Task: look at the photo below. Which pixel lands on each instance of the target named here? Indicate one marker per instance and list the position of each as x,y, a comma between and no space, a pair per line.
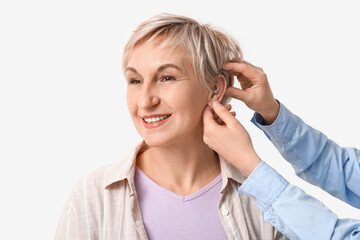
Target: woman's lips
155,120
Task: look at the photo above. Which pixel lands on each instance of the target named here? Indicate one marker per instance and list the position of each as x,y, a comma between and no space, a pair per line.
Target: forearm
312,155
293,212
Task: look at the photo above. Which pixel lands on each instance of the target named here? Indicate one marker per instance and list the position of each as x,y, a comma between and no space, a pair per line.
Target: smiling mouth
156,119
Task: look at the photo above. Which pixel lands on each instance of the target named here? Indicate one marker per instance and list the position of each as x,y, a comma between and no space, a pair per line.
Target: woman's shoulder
95,182
90,183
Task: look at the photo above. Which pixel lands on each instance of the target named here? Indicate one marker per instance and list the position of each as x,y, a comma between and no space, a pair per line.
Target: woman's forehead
157,52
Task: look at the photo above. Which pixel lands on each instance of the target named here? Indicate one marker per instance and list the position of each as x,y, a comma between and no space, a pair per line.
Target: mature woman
172,185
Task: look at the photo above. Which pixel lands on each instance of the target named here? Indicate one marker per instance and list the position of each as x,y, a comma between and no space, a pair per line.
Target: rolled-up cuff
264,185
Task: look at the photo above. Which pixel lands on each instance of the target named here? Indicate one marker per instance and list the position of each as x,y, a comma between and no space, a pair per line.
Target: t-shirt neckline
184,198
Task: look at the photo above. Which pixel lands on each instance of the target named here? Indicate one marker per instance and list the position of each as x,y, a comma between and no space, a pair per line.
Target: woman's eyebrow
161,68
131,69
169,65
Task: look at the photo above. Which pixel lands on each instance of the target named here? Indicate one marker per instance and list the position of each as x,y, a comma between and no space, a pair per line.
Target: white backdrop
62,94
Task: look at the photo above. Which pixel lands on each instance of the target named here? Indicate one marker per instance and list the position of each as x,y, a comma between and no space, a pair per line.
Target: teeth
155,119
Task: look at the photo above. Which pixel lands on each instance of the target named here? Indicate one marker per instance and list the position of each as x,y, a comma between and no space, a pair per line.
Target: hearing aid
228,80
226,75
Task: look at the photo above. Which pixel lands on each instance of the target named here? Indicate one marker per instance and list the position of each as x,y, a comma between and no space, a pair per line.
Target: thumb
223,113
235,93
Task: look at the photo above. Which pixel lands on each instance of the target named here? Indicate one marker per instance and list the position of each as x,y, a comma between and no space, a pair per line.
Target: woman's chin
159,141
156,143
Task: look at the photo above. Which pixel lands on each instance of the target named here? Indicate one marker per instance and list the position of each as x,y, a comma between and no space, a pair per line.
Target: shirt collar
125,169
228,171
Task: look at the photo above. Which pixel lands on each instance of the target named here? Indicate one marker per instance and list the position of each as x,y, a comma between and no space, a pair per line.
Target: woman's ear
218,89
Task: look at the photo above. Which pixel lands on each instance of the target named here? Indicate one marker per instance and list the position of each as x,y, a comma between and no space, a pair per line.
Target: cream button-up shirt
104,205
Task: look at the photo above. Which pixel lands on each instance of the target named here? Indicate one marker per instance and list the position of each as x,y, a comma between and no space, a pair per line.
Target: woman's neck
181,168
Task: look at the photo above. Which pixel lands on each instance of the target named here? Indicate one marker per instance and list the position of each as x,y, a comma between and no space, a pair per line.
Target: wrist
270,113
248,165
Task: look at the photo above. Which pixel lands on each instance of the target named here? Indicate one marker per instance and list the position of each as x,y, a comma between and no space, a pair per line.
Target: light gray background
62,93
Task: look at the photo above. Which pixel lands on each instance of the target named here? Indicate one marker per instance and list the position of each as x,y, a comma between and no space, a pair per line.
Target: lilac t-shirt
168,215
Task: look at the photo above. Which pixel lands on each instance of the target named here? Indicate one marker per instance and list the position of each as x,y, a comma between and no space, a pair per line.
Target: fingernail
215,103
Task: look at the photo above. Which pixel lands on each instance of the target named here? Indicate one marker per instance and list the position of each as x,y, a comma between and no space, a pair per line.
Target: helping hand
256,92
224,134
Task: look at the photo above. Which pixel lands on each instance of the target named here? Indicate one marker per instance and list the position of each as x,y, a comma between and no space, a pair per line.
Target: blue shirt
311,153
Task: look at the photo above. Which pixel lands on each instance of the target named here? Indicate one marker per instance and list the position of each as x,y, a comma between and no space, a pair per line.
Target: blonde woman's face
164,98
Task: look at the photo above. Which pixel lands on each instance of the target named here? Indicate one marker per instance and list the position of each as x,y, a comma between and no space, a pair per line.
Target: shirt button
225,212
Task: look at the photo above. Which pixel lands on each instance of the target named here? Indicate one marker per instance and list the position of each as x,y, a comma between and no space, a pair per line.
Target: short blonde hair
207,48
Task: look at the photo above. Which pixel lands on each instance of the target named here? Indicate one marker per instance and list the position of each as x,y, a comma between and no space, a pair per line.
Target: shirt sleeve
67,227
292,212
315,158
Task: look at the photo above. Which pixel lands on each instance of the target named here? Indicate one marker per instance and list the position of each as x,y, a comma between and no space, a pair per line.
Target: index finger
241,68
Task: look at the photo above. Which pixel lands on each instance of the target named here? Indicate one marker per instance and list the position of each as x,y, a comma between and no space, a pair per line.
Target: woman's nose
148,98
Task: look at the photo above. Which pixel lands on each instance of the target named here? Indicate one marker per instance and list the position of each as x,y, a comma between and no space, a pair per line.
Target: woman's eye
134,81
167,78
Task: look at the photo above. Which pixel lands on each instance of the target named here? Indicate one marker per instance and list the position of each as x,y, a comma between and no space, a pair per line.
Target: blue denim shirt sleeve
315,158
293,212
